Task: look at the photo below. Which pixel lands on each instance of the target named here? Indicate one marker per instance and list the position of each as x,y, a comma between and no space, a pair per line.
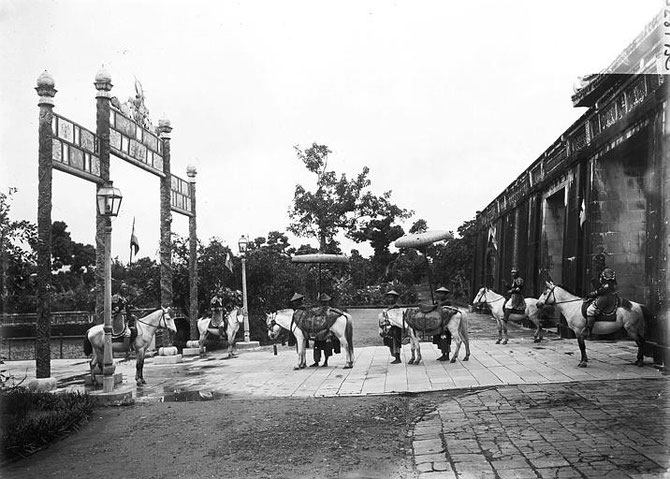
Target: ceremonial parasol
320,258
421,241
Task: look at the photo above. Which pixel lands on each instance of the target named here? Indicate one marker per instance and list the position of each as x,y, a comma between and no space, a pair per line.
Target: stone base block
120,396
167,359
190,352
118,379
247,345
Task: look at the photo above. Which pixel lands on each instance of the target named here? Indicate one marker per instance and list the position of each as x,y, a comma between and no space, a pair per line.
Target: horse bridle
484,300
556,301
159,321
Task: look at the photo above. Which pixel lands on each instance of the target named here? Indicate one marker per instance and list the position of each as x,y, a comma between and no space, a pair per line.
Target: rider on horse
515,302
443,340
393,338
604,300
121,305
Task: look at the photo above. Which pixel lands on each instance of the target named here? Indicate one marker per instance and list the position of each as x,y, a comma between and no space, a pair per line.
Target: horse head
548,296
480,297
167,319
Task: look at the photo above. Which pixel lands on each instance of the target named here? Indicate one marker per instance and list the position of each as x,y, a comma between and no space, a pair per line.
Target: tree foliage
332,206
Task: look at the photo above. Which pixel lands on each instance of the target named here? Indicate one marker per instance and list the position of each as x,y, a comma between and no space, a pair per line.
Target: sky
445,102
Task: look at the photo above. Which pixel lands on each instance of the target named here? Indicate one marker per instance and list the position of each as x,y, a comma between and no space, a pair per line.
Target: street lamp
108,202
242,244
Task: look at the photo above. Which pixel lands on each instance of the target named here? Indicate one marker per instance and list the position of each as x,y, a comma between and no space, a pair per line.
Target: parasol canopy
418,240
320,258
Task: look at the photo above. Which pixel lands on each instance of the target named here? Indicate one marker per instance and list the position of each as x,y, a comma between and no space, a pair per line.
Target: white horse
94,341
395,317
495,303
631,316
342,328
216,326
457,325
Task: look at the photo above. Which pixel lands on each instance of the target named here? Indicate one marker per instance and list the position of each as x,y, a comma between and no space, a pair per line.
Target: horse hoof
411,361
504,342
466,358
297,368
536,340
498,342
581,365
639,363
453,360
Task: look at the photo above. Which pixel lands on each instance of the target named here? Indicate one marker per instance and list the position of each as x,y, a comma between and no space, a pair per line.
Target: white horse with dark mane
631,316
222,324
495,303
341,327
94,341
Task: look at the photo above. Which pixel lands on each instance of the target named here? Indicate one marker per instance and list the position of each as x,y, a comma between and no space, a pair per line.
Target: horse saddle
118,326
606,307
517,304
216,323
431,320
315,320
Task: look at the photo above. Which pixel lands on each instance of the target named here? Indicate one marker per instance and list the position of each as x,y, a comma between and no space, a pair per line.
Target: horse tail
648,318
88,347
349,335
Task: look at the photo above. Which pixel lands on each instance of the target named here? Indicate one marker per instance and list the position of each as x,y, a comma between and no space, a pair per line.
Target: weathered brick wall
619,202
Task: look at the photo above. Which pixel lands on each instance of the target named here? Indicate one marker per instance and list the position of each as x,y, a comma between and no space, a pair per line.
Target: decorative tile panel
74,149
135,144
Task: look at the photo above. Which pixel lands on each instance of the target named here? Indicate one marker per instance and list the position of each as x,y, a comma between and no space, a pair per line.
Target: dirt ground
353,437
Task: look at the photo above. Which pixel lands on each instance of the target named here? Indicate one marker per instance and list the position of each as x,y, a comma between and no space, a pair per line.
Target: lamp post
109,202
242,243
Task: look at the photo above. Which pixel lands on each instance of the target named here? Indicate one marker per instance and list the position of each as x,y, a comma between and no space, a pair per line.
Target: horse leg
300,348
139,365
582,350
505,332
457,339
639,341
499,321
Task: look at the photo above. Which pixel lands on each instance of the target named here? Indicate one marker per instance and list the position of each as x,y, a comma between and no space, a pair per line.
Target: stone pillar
193,258
46,90
103,84
515,239
164,130
664,270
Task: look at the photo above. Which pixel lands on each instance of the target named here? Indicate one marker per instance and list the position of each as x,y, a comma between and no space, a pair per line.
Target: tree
332,206
17,260
376,224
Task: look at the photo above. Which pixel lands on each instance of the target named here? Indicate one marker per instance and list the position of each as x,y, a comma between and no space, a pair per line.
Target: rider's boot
397,359
590,321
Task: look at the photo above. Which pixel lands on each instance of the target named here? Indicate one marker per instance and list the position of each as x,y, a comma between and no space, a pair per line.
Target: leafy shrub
32,420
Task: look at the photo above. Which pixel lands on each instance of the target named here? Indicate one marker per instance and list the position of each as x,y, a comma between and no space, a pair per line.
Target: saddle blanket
606,307
315,320
429,320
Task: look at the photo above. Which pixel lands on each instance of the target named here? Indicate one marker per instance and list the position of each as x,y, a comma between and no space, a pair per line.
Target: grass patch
32,420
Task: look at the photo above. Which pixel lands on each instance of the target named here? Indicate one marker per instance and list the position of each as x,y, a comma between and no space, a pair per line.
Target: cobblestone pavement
612,429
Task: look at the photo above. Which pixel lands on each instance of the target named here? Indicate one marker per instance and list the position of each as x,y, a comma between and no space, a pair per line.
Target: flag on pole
134,244
229,262
582,214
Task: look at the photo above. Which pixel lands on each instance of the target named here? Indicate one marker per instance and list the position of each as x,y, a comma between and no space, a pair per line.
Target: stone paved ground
607,429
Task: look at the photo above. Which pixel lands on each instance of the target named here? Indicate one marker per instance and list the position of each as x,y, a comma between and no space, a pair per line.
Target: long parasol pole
430,276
